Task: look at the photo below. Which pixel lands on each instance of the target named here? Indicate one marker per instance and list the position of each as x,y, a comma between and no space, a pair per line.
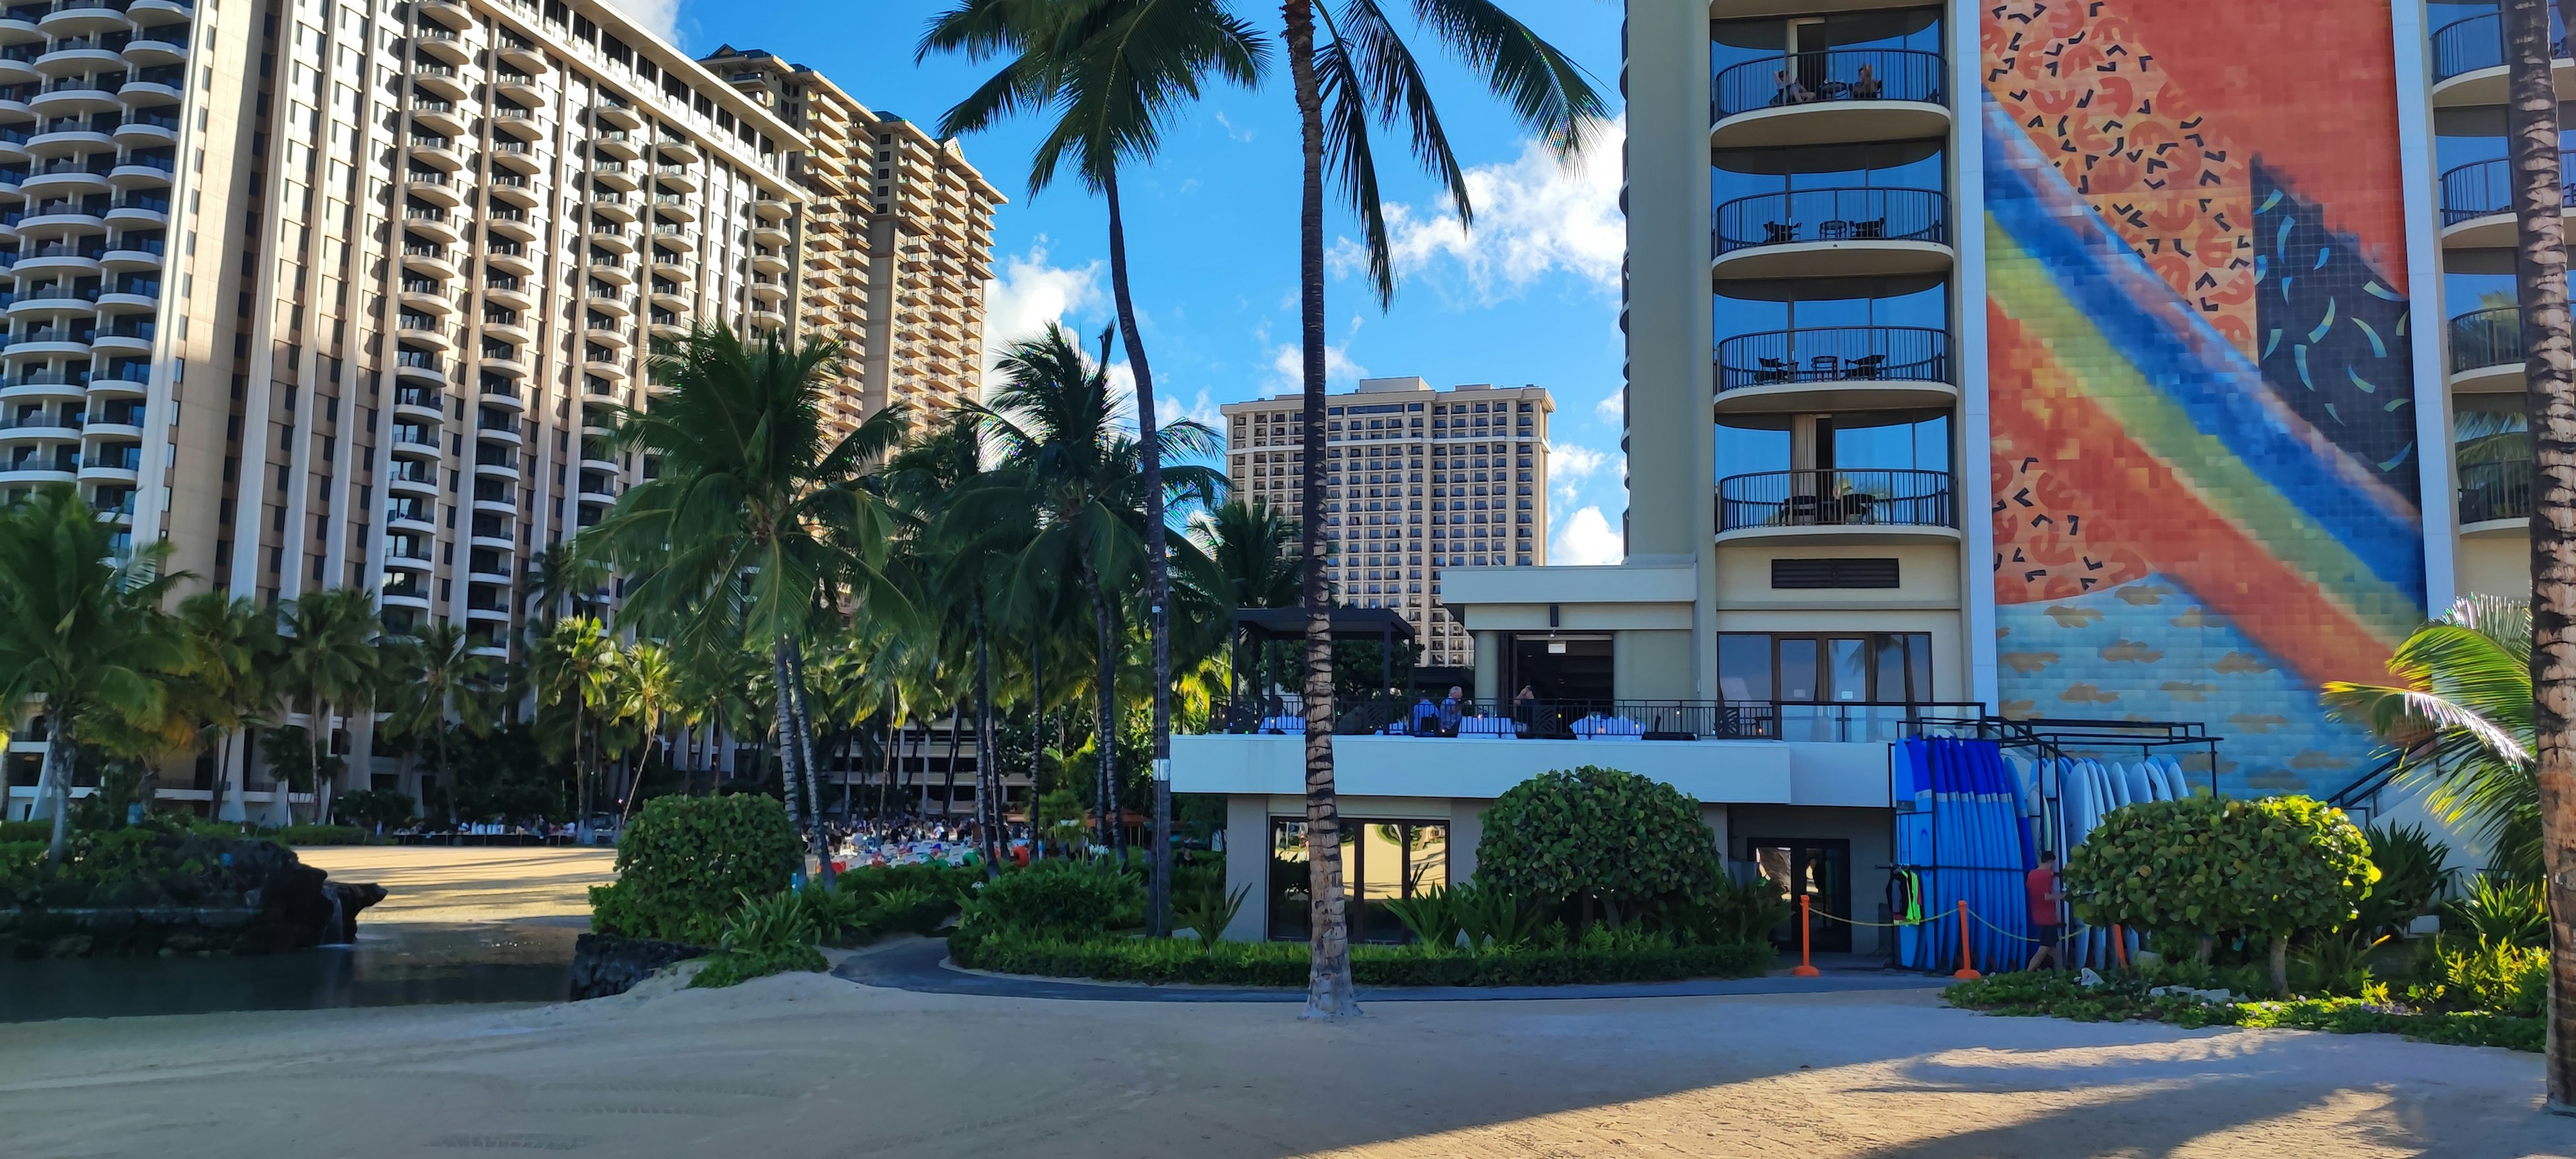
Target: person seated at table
1791,91
1864,85
1451,709
1426,717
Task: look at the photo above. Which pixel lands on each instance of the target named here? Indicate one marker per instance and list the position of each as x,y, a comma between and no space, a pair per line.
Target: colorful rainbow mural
2200,370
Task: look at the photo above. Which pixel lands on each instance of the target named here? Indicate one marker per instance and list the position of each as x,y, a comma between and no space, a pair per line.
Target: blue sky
1529,296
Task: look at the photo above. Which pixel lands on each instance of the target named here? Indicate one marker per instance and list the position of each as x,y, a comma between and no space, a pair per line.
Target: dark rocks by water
606,964
141,892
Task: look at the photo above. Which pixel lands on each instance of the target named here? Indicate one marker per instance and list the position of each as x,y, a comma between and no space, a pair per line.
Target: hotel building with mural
2026,361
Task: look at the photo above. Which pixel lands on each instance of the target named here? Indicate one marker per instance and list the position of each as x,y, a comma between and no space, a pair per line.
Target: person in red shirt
2041,885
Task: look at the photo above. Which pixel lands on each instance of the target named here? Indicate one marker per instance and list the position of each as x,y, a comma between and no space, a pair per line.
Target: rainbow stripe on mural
2201,386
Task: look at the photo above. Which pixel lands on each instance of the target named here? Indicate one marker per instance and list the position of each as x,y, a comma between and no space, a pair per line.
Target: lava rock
606,964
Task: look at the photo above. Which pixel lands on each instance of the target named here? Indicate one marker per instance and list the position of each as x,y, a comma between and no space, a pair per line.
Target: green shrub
1285,964
1060,897
372,808
2414,870
2493,978
946,881
12,832
769,935
1731,911
2499,911
1207,913
686,861
1618,838
2125,997
2278,866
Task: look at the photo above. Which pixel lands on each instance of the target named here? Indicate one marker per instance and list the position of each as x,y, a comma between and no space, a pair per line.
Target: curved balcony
768,234
434,42
1833,233
80,17
2477,201
150,49
407,557
2468,60
1839,506
44,424
773,209
1835,368
2486,351
674,208
70,58
419,403
1833,97
66,138
513,298
2495,498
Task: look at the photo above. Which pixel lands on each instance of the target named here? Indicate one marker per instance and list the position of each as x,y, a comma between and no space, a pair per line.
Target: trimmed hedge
686,863
1285,963
2050,994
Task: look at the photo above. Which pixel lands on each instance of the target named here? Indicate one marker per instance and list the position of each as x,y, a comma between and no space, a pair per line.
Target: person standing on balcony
1451,710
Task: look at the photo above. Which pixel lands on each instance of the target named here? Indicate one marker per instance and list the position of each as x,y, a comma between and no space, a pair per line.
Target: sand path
815,1066
433,883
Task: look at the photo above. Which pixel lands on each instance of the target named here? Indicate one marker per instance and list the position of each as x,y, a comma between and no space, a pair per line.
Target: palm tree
329,662
755,529
80,631
2459,717
642,689
2549,370
1114,72
568,668
230,642
443,683
1057,424
1364,72
557,578
1251,559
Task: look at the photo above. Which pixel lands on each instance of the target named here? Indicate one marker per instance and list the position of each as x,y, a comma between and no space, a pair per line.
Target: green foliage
685,860
1060,897
1058,815
2126,997
321,835
1207,912
372,808
2414,870
2494,977
1619,838
1471,917
767,935
2499,911
11,831
1730,911
1625,956
2275,866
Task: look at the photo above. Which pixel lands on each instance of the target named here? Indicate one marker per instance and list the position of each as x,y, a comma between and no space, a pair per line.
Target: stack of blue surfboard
1968,838
2089,790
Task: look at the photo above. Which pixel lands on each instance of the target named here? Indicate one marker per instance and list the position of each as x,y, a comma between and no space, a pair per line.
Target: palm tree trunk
2549,369
1328,984
786,713
805,758
948,791
1157,566
223,769
988,779
54,787
1105,677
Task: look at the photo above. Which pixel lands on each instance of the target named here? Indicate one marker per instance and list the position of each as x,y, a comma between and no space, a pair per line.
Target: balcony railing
1834,354
1835,498
1610,720
2489,337
2466,46
1832,215
2490,491
2485,188
1835,74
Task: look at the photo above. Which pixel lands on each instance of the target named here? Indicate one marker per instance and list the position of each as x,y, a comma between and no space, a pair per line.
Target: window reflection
1382,861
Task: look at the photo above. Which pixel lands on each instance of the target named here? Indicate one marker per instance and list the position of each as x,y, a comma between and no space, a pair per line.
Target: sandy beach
817,1065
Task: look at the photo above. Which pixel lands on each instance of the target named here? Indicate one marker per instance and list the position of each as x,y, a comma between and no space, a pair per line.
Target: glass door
1820,870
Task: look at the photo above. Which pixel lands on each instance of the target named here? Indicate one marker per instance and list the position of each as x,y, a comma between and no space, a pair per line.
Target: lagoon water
392,964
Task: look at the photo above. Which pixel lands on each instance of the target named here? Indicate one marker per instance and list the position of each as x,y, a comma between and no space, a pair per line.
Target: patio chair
1779,232
1825,367
1871,230
1774,370
1859,507
1868,366
1835,229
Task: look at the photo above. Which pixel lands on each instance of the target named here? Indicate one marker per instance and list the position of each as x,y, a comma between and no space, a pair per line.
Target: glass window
1744,667
1888,441
1873,668
1382,861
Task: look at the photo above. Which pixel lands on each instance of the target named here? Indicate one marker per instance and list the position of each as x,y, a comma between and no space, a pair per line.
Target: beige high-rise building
1419,480
898,240
329,293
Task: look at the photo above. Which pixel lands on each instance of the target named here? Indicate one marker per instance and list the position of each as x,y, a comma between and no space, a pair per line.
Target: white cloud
1169,410
1570,461
1586,538
1288,367
1612,409
1231,129
1533,217
1031,293
661,16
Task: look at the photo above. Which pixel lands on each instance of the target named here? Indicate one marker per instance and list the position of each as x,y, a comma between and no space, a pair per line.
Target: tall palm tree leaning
81,631
2549,368
1363,71
756,528
1114,72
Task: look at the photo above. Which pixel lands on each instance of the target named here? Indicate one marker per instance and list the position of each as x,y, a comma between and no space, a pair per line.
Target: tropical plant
230,644
2460,719
1062,898
443,688
755,530
642,690
1114,72
1621,840
771,934
683,862
376,808
81,631
569,671
2414,873
1207,913
329,665
2491,910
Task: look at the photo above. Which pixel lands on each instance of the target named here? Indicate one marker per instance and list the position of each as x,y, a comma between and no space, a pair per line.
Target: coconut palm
80,632
1058,426
230,643
1114,73
568,671
328,664
559,579
642,690
755,528
442,685
2549,369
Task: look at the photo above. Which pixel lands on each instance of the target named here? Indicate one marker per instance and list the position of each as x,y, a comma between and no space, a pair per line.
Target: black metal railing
2489,337
1834,354
1833,74
2485,188
2499,490
1611,720
1809,215
2466,46
1831,498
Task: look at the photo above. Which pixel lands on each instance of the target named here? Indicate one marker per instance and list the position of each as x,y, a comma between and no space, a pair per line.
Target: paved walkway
919,965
